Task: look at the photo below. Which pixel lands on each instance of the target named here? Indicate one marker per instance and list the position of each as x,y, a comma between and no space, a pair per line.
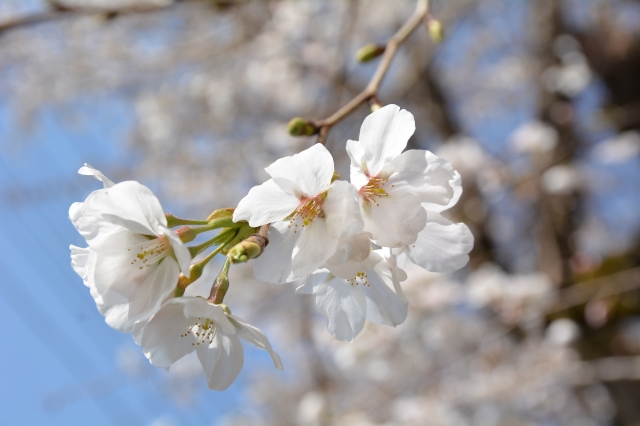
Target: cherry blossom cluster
343,242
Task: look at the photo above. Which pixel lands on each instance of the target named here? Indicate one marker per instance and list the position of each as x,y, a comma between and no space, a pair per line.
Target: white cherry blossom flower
311,213
187,324
349,293
397,188
133,260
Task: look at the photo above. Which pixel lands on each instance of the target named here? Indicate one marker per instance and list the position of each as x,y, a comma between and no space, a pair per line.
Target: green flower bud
369,52
224,212
301,127
244,251
436,32
186,234
335,176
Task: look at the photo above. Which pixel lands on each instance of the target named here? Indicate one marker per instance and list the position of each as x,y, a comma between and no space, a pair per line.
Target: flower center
374,189
308,210
150,252
203,330
361,277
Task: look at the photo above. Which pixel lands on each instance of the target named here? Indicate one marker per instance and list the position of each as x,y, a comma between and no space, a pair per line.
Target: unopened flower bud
335,176
301,127
220,286
186,234
250,248
436,32
374,103
224,212
369,52
195,272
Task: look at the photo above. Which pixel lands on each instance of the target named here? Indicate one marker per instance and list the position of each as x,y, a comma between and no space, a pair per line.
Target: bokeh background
535,102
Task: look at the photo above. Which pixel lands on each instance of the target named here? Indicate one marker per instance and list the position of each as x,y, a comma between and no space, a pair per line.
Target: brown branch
422,9
60,11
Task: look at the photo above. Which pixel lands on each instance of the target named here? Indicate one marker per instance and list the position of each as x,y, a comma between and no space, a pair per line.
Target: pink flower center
308,210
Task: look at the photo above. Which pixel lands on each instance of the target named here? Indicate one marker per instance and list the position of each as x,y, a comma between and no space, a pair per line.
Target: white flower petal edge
442,246
350,293
393,184
185,324
129,274
310,212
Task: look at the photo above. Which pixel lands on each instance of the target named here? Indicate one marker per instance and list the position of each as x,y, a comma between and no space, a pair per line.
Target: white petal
163,338
385,218
87,170
131,205
389,268
117,317
442,246
341,210
344,306
313,281
313,248
456,184
265,203
145,298
383,135
350,268
181,252
79,258
358,176
414,225
311,170
254,336
89,222
117,266
383,305
274,265
355,248
221,360
431,178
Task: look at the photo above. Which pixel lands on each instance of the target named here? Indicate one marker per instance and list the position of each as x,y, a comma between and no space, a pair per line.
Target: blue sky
59,359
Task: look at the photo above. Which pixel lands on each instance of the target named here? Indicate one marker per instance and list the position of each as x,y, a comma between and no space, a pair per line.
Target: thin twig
60,11
422,9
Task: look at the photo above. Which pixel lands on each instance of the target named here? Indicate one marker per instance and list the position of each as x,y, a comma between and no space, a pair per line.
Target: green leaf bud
301,127
369,52
436,32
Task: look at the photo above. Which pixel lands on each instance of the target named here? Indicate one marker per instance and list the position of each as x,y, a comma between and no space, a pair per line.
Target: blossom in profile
133,259
396,188
311,214
349,293
187,324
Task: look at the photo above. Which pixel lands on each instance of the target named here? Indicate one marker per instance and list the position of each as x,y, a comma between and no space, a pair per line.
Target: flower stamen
151,252
308,210
361,277
374,189
202,329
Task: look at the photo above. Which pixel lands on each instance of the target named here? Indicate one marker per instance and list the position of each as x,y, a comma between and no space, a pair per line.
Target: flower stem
197,268
175,221
220,248
213,241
